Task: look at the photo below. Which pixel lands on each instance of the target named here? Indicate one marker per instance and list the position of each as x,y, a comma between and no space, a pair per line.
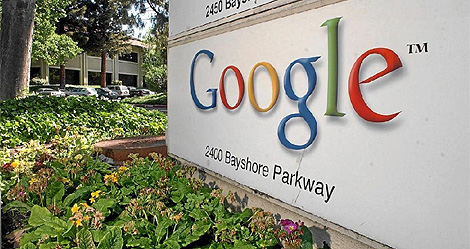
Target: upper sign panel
186,15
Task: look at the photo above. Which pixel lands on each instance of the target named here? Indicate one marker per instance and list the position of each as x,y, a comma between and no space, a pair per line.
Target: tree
100,30
15,46
53,48
160,9
155,59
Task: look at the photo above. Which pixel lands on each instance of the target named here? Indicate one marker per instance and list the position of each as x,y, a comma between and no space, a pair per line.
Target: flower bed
60,195
73,200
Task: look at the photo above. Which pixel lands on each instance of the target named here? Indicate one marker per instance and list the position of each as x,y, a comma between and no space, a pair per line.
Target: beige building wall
85,63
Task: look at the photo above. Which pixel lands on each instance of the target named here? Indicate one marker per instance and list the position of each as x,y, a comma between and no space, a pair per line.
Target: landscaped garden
57,193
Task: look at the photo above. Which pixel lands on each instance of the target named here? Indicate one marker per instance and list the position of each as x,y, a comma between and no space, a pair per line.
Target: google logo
355,95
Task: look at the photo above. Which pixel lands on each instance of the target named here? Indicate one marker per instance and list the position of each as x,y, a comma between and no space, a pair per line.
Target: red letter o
241,87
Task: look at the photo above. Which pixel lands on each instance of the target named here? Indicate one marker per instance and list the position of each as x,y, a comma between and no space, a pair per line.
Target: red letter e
357,101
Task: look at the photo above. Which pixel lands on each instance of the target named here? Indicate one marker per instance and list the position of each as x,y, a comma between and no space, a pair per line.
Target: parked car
51,92
122,91
82,91
140,92
105,93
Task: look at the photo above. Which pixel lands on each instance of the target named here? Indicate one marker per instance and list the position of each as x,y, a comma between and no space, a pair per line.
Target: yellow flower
176,217
86,218
92,200
33,180
74,208
96,194
15,164
78,157
114,177
84,204
123,169
64,180
78,222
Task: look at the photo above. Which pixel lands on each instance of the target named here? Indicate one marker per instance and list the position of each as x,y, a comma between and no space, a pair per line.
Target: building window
128,80
132,57
35,72
94,78
72,77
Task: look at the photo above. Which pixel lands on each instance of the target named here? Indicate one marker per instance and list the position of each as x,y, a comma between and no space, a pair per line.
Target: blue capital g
191,82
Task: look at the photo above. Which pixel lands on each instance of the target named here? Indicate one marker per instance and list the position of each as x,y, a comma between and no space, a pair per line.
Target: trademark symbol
417,48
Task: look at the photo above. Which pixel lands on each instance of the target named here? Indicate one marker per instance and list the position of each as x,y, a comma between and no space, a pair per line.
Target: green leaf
112,239
201,228
177,196
181,190
171,244
162,228
69,231
77,195
243,245
28,245
85,240
307,238
30,237
45,229
16,205
39,216
246,214
190,239
58,224
141,242
50,245
54,193
269,240
198,214
102,205
98,235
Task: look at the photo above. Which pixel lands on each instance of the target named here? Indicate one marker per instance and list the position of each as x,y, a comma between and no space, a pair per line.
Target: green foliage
155,56
155,61
97,25
85,239
148,203
155,99
55,49
38,81
160,10
73,200
45,118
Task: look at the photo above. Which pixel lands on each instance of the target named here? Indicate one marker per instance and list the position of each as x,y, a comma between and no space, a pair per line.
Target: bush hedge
155,99
42,118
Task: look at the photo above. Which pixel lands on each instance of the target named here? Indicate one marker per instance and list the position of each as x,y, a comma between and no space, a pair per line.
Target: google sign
362,109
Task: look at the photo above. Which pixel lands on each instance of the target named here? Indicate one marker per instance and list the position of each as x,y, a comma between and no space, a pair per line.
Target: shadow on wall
321,236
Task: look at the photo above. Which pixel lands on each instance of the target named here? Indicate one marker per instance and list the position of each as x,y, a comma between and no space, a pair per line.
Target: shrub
44,118
38,81
74,200
156,99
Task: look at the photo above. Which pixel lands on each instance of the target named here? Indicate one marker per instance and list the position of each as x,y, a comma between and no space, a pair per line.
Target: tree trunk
62,76
15,47
103,70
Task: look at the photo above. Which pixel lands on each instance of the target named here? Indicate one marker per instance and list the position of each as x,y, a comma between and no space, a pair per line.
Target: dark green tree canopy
97,25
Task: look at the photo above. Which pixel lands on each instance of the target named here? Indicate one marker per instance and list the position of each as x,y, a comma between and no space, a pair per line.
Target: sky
139,33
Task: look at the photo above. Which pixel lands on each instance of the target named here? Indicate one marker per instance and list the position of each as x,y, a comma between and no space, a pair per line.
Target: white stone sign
186,15
394,168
